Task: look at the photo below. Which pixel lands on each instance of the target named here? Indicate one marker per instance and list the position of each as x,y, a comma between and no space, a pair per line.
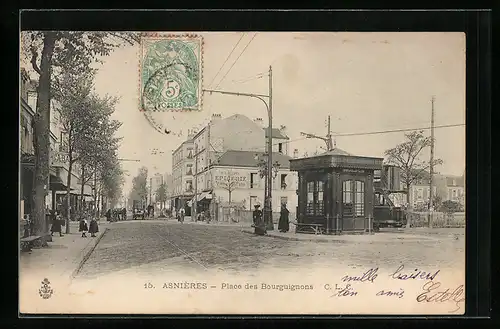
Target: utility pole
269,205
194,203
327,139
268,193
431,164
150,189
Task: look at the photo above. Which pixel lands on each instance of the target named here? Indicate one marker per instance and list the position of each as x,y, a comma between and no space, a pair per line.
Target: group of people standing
116,214
260,225
91,228
84,227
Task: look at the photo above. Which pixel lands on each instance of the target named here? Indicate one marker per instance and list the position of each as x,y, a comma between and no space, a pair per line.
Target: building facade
27,151
182,174
445,187
227,147
235,179
58,157
155,182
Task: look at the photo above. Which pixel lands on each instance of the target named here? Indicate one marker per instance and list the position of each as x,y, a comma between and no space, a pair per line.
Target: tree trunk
82,187
68,194
95,195
230,192
42,136
408,206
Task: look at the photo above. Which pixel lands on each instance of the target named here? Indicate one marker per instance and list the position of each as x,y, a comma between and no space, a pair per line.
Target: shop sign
231,179
59,159
353,170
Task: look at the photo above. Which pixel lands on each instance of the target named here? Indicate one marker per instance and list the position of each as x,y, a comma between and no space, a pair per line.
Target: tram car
388,209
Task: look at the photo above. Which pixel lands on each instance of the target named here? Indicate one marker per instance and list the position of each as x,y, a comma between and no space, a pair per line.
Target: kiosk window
347,191
315,201
359,200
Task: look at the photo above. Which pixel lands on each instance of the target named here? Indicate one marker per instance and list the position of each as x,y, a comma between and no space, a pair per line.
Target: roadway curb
290,238
333,240
87,252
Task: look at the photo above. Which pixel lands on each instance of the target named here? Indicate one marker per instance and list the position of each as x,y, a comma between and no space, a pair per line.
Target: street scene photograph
242,173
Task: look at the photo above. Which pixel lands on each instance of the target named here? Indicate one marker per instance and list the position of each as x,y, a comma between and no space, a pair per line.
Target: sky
366,82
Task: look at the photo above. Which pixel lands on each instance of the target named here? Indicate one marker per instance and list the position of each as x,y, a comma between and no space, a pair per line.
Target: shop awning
200,197
87,190
56,183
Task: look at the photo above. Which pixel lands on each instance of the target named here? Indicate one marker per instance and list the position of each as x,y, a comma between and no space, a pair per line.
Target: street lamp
263,173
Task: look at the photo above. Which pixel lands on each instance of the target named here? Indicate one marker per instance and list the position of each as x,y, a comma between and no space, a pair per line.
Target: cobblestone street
150,245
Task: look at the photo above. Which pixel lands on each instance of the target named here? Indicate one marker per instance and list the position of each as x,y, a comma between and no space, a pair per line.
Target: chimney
259,121
216,116
295,153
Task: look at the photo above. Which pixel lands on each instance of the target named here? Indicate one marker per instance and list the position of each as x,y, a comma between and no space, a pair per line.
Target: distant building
455,188
156,182
445,187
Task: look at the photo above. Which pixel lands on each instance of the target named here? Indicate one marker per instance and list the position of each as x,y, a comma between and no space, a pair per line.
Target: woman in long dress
83,227
284,224
258,223
56,225
93,227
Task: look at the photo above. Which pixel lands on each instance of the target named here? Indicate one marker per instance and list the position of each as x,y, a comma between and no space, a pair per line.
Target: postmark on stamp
171,72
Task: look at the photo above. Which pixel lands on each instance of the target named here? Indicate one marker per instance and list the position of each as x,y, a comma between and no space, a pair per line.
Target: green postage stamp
171,72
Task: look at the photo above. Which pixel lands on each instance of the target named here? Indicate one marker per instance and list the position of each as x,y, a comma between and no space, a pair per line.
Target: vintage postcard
242,173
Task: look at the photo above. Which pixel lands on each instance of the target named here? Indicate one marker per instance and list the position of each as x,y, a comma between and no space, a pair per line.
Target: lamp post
268,211
263,172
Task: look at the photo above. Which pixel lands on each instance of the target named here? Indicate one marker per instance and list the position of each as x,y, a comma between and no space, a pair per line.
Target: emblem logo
45,291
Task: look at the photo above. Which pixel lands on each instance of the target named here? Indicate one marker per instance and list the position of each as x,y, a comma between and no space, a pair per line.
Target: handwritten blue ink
416,274
369,275
390,293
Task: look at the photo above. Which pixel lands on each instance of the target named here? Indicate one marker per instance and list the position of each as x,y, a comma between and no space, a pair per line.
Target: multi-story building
235,179
59,167
27,151
168,179
455,188
182,174
156,182
444,186
230,145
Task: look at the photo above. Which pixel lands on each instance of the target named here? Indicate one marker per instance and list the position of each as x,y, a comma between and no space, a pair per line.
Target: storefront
335,190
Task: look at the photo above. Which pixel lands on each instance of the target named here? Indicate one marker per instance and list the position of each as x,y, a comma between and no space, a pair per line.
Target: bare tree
406,156
228,182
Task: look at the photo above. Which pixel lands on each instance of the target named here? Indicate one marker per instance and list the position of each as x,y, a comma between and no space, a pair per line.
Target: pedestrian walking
108,215
93,227
56,225
258,223
124,214
83,227
284,224
181,215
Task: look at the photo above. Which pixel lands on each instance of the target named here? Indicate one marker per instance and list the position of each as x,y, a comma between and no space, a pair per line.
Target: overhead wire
227,58
369,133
249,42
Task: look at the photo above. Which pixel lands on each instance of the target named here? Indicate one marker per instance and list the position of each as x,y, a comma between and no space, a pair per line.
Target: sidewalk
347,238
63,255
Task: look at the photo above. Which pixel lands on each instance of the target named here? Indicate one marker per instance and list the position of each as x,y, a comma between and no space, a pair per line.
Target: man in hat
258,223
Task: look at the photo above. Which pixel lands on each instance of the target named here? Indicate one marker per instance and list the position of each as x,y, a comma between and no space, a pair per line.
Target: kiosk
335,192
